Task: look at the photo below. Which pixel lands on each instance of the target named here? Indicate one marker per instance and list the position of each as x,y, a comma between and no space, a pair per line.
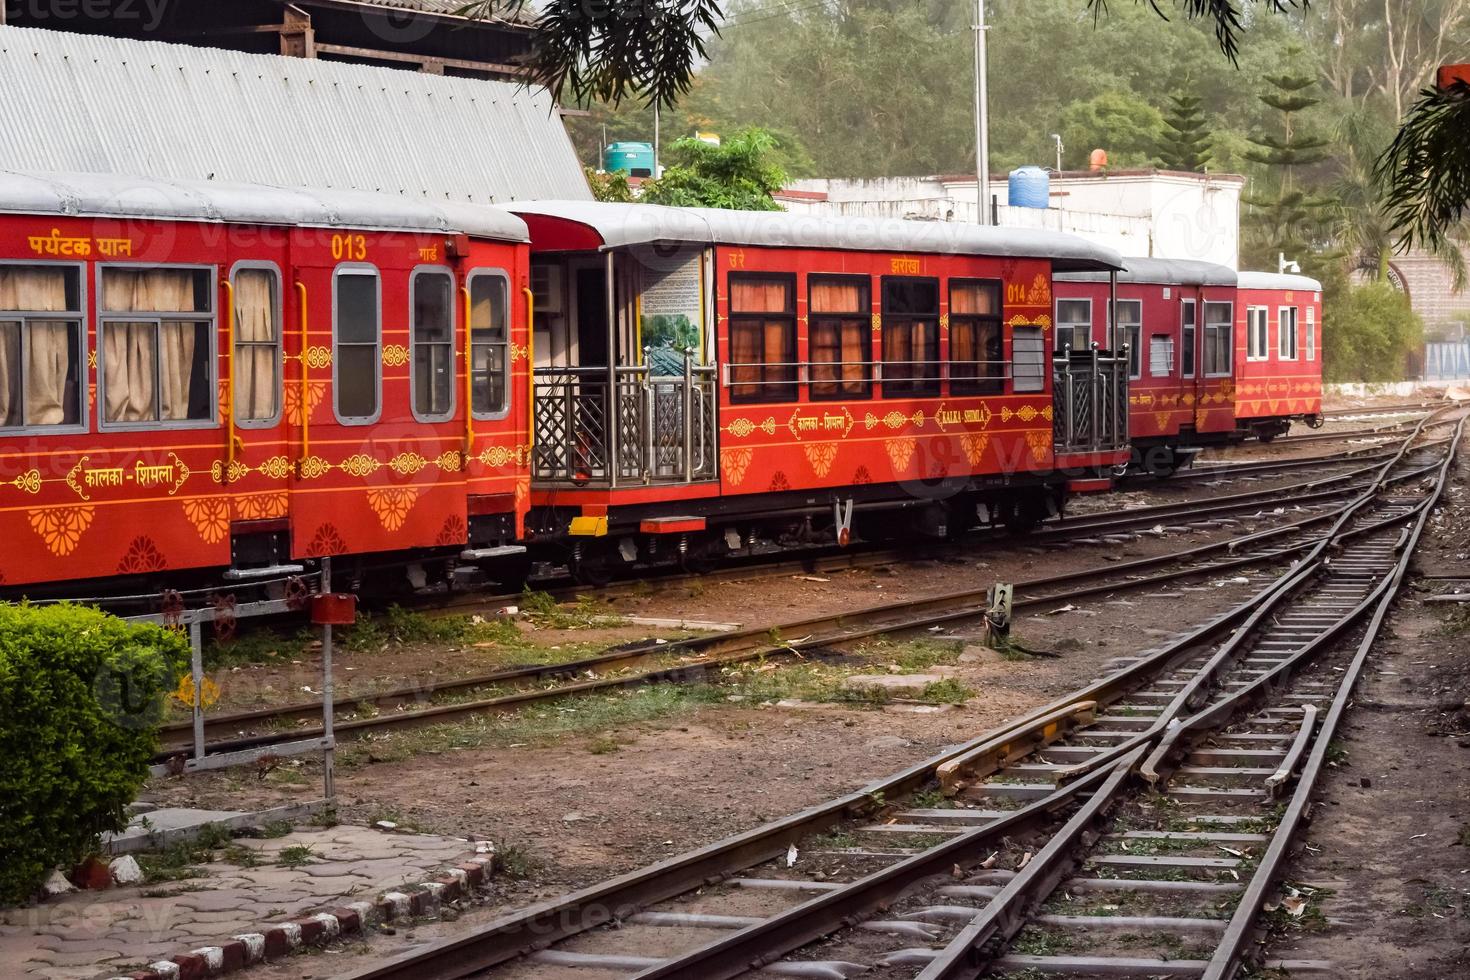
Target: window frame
927,387
214,421
1188,338
1133,331
867,331
1168,340
83,423
492,272
418,271
1311,309
1226,327
977,387
1072,325
1043,377
247,265
1253,351
792,392
338,271
1281,334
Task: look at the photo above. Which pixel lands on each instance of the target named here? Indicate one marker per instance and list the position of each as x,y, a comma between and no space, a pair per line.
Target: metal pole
329,754
655,140
688,413
1112,310
613,404
196,649
982,120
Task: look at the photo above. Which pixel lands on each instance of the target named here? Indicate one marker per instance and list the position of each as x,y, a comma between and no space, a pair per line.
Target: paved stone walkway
99,934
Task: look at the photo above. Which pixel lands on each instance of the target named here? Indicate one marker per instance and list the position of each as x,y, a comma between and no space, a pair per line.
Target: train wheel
594,567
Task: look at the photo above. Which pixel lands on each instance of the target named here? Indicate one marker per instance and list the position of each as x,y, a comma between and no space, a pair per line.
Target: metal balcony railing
1090,392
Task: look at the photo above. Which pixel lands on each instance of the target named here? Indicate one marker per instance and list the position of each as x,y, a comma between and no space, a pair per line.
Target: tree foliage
609,186
736,174
1368,331
1186,142
84,694
1427,169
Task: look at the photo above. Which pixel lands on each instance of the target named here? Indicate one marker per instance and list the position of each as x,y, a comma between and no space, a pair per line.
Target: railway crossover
1135,827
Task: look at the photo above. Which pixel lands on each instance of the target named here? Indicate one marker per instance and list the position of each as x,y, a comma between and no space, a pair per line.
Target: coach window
157,346
1218,330
1311,333
1029,354
840,336
1160,355
1130,328
1074,324
762,338
490,343
976,352
910,336
433,345
357,335
1187,340
1286,333
1255,333
40,346
257,345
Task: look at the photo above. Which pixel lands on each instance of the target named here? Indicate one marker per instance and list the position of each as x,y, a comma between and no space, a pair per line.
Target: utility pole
982,120
655,141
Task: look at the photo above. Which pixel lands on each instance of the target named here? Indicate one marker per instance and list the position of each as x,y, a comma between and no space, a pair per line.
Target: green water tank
634,159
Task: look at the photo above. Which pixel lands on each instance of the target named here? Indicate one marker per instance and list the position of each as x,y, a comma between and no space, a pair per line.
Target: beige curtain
130,350
974,299
256,336
837,297
35,289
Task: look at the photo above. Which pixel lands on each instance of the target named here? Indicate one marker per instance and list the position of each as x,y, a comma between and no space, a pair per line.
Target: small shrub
83,694
295,856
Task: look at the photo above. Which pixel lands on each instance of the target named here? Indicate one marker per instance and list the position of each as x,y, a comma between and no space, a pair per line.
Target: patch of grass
405,626
586,612
932,799
295,856
1464,837
910,656
182,861
833,840
1042,942
516,862
241,856
605,745
275,829
947,691
257,646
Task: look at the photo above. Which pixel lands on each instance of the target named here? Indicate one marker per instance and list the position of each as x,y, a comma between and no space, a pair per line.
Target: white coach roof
148,198
1275,280
621,225
1166,272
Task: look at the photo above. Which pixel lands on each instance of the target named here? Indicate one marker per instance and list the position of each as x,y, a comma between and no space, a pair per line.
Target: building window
490,343
1255,333
1311,333
910,336
433,346
762,338
976,349
357,333
257,346
1028,349
40,346
1218,330
1074,324
1286,336
157,348
840,336
1187,340
1130,328
1160,356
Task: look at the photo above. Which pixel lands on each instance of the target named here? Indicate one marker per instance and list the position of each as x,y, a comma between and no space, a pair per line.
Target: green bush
81,697
1368,331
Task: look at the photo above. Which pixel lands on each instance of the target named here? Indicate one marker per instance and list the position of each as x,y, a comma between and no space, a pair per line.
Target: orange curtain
974,299
760,296
837,297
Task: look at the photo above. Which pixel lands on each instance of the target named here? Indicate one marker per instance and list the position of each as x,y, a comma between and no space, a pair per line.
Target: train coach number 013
351,248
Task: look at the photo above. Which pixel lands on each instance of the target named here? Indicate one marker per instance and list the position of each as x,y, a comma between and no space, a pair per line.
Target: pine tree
1186,145
1289,220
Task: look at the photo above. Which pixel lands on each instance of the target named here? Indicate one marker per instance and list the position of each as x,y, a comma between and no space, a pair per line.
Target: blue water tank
1030,187
634,159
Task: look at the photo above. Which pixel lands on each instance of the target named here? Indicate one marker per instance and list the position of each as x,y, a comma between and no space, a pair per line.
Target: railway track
1134,827
701,658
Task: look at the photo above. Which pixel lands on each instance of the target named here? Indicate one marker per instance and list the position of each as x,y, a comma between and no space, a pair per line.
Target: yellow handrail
530,372
232,442
305,367
469,377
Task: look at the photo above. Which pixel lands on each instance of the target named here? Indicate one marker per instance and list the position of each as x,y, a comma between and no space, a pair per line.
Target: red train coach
1175,316
704,376
199,375
1278,377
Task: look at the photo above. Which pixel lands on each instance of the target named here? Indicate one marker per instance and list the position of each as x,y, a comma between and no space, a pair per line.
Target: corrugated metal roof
89,104
1166,272
1272,280
634,224
106,195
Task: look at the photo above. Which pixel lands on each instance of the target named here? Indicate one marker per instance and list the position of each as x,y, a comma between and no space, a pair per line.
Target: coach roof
1165,272
221,202
1276,280
621,225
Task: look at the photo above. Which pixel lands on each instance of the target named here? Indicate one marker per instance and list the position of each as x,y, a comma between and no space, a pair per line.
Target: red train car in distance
1175,316
242,378
704,376
1278,375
